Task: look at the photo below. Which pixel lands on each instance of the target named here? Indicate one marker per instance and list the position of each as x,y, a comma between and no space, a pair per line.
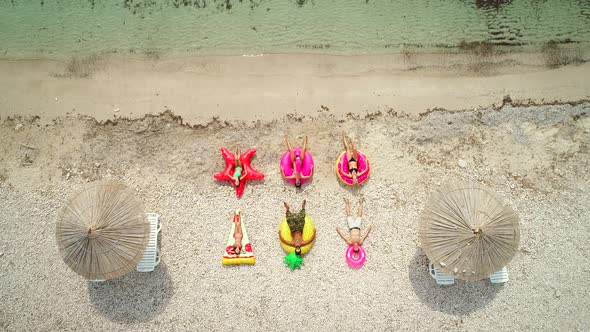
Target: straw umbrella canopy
102,231
468,231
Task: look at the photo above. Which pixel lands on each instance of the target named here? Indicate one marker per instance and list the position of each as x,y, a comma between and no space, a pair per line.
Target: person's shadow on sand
462,298
135,297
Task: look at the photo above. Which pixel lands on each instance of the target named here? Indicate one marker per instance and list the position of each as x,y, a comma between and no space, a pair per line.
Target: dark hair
298,250
298,185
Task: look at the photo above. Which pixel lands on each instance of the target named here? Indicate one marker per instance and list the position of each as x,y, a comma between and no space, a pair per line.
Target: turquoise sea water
57,28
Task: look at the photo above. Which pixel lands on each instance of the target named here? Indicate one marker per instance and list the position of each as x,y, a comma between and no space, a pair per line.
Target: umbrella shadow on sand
462,298
135,297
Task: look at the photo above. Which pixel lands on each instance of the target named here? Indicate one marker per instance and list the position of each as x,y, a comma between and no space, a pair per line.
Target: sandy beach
534,156
268,87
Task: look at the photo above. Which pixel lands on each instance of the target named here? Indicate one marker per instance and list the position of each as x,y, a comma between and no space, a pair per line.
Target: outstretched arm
244,174
363,172
343,236
345,174
366,234
304,243
285,241
290,177
306,177
229,175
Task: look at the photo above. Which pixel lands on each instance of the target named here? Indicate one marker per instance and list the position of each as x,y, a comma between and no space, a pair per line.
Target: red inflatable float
238,170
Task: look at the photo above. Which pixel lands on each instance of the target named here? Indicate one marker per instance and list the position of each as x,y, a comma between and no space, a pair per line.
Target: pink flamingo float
297,164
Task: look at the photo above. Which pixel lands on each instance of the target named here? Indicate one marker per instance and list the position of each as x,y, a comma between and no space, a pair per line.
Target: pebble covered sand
536,157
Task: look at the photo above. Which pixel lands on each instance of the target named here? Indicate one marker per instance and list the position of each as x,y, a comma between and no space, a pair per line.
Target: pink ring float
355,259
342,168
305,168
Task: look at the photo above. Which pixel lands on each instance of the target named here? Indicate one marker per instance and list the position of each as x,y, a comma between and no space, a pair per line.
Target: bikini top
353,168
238,171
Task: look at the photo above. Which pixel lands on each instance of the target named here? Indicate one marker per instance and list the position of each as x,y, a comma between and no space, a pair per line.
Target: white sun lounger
442,278
499,277
151,255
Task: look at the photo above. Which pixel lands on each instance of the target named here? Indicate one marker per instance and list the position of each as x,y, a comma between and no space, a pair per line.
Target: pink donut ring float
304,167
343,172
356,259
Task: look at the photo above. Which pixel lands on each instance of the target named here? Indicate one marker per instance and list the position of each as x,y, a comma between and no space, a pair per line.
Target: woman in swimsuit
352,155
238,175
238,235
355,237
294,159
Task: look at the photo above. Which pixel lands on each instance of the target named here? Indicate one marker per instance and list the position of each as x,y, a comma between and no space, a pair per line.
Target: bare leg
361,200
238,229
354,154
304,148
238,153
237,179
347,207
234,179
346,147
291,153
303,204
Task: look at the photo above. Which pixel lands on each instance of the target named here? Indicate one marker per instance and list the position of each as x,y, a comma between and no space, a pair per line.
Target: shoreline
269,87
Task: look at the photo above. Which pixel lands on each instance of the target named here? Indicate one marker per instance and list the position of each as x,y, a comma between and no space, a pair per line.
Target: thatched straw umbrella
468,231
102,231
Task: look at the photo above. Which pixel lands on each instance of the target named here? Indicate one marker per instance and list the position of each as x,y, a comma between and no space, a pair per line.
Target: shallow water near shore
57,29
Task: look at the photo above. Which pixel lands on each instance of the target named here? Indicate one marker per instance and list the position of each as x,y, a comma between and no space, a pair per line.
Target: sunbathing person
297,159
296,221
355,237
238,235
352,156
238,175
